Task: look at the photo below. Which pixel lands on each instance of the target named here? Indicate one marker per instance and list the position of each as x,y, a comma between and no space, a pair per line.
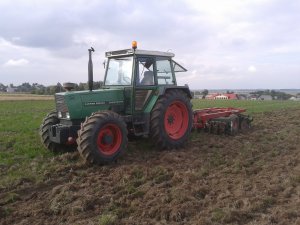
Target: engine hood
81,104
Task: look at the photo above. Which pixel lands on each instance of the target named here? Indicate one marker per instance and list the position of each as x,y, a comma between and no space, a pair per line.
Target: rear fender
161,91
164,89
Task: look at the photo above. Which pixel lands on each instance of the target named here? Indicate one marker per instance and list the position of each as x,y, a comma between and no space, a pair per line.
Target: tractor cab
142,74
141,68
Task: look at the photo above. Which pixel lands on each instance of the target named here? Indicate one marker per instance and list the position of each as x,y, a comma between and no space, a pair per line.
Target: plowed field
251,178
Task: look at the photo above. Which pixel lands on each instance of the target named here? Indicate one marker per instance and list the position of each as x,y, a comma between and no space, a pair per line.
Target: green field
23,157
251,106
21,154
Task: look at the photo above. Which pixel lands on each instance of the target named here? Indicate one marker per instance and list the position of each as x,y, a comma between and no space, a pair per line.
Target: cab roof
137,52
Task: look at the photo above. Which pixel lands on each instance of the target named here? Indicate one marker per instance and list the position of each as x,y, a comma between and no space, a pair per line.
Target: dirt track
252,178
18,97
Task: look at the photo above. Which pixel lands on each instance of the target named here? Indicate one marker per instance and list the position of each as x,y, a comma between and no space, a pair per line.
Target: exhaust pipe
90,70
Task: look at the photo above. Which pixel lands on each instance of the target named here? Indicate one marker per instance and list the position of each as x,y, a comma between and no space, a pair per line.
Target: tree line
276,95
41,89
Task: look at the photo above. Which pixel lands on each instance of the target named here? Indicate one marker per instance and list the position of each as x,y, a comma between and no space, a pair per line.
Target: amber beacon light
134,44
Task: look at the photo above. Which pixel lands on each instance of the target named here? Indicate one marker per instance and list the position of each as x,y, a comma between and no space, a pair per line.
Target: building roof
231,96
211,96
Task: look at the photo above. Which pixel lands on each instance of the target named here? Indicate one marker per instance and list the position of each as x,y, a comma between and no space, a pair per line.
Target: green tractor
140,97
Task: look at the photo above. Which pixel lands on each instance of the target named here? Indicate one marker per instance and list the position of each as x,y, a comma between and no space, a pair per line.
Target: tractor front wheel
171,120
102,137
52,119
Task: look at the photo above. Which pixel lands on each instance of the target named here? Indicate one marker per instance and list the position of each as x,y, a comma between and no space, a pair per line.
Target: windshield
119,71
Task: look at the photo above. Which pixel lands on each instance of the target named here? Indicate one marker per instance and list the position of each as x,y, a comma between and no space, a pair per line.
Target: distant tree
273,94
204,92
2,87
40,89
25,87
97,84
59,88
52,89
82,86
257,93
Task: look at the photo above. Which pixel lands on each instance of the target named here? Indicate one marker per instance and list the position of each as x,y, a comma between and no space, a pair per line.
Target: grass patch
218,215
107,219
11,197
5,211
264,204
20,142
161,174
251,106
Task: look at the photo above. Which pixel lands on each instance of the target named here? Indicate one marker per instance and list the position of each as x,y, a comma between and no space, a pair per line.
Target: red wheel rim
176,120
109,139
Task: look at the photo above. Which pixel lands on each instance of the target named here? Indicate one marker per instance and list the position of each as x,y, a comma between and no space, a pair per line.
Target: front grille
60,104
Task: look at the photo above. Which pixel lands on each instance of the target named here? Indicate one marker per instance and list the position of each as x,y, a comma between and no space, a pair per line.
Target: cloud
219,42
252,69
16,63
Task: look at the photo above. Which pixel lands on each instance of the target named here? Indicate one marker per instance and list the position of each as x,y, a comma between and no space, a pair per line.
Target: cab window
145,71
119,71
164,71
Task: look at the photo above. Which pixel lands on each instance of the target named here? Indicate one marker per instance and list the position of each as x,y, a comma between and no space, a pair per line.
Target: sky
224,44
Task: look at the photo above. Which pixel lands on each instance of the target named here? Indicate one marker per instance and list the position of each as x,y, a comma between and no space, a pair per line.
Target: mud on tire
171,120
102,137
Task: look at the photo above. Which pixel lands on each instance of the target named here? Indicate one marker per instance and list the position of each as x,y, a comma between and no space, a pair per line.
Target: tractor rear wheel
102,137
171,120
52,119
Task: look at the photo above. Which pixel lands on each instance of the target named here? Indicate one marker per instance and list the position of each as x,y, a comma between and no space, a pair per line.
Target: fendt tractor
139,97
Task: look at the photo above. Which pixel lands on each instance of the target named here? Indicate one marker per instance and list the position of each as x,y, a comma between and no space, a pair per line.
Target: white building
10,89
221,97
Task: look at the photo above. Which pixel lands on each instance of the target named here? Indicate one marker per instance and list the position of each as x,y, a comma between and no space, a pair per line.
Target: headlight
59,115
67,115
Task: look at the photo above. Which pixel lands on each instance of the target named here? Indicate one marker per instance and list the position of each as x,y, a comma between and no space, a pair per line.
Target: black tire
233,125
102,137
52,119
174,106
245,124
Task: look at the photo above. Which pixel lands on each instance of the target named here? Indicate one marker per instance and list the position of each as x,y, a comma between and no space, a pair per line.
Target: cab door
145,82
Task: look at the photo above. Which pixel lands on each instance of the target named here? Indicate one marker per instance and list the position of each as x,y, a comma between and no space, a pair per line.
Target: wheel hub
176,120
107,139
171,119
